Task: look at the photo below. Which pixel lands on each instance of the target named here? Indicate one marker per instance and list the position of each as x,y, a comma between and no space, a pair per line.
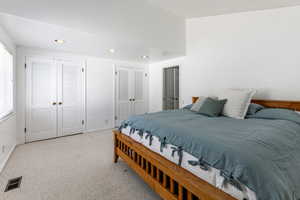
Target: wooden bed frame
293,105
167,179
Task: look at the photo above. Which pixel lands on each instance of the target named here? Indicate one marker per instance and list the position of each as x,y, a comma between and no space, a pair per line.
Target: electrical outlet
106,121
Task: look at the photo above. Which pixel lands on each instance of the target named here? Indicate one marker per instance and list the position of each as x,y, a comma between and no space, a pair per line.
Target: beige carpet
72,168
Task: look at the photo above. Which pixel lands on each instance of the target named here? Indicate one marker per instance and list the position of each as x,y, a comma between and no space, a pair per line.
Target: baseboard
95,130
6,158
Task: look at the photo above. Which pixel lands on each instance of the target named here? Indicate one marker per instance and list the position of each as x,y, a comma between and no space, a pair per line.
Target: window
6,83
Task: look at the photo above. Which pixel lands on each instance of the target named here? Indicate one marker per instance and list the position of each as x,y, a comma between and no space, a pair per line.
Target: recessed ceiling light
59,41
145,57
112,51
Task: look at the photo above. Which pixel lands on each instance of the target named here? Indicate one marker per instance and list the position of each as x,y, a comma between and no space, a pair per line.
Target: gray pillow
254,108
197,105
212,107
277,113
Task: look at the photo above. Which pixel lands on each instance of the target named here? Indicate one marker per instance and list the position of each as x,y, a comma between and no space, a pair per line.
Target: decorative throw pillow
254,108
237,103
211,107
196,106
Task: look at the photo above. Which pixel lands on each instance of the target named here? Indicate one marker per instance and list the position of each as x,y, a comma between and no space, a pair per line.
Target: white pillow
238,101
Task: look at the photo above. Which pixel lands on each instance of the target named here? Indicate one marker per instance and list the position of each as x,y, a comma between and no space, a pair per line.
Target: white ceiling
201,8
132,27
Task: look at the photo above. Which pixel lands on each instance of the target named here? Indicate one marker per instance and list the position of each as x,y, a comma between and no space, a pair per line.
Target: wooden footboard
167,179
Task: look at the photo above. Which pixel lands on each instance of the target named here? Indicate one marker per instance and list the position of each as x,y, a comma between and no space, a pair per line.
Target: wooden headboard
293,105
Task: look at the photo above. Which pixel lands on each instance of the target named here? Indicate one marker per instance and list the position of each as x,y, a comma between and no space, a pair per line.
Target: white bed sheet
212,175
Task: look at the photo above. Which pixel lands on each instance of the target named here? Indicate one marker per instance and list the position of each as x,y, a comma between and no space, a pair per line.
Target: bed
182,177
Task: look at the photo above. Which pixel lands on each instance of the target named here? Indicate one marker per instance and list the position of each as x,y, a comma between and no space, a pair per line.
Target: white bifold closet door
41,109
139,103
130,93
55,98
123,94
71,112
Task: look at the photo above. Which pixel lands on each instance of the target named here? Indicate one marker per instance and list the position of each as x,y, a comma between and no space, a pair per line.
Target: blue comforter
262,154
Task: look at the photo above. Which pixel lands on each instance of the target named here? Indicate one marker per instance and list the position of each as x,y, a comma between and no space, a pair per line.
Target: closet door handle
54,103
60,103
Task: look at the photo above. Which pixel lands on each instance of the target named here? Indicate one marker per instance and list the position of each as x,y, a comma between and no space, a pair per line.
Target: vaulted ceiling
201,8
134,28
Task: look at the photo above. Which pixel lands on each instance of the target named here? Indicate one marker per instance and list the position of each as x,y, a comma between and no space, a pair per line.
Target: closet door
41,108
138,103
123,94
71,112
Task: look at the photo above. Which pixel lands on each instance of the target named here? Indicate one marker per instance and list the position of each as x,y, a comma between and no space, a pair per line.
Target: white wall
7,126
258,49
100,88
99,82
156,82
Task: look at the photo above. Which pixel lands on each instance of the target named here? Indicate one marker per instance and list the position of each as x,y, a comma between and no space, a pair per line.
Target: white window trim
13,111
8,116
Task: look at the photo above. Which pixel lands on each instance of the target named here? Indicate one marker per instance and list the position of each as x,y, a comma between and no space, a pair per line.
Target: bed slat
167,179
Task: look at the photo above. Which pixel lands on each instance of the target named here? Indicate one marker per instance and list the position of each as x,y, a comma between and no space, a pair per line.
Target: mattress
212,175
